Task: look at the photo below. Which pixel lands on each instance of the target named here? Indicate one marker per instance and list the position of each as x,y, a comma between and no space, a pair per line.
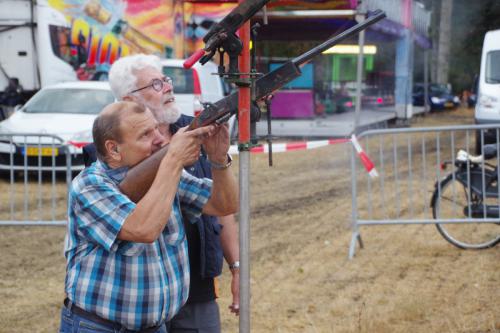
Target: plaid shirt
134,284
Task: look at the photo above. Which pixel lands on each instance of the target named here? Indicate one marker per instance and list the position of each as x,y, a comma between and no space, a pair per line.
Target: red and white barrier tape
290,146
301,145
367,163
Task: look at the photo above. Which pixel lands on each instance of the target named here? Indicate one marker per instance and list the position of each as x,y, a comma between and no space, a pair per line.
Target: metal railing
421,18
410,163
36,171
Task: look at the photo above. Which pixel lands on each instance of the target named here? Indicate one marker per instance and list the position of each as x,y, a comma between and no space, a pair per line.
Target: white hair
122,75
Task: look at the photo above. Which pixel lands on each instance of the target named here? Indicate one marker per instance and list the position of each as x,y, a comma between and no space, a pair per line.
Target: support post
244,181
404,67
359,74
354,207
426,81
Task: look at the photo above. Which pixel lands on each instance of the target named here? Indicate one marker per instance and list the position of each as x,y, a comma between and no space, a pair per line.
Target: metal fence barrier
414,187
35,173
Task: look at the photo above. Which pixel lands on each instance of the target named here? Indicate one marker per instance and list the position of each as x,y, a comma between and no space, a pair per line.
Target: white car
193,86
54,122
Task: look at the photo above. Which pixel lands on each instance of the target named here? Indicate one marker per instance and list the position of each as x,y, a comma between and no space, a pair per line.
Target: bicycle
466,196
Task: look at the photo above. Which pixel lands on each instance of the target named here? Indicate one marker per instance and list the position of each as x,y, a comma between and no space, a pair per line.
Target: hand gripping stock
139,178
224,34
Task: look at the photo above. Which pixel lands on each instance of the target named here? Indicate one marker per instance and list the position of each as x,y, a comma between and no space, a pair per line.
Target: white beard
165,114
168,114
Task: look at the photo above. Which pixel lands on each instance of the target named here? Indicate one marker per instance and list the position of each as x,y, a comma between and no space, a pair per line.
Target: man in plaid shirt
127,264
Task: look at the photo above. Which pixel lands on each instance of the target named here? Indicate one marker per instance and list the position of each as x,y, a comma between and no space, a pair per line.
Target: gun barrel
375,17
235,19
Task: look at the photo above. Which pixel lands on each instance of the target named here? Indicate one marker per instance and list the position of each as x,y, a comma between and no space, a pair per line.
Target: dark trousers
196,318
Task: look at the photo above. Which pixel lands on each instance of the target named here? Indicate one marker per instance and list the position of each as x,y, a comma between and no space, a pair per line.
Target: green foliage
471,20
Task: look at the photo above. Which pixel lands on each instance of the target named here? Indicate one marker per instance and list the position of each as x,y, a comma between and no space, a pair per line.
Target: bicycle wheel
451,202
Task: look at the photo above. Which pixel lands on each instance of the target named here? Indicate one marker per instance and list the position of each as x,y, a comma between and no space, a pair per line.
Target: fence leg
354,207
356,236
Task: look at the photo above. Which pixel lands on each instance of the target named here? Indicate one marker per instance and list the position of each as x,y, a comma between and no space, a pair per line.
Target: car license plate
448,105
43,151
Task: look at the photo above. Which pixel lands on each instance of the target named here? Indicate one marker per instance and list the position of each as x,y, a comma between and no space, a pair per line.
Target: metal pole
244,97
426,81
69,174
244,242
359,71
354,206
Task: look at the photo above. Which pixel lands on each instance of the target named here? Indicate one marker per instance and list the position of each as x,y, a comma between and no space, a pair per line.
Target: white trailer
33,40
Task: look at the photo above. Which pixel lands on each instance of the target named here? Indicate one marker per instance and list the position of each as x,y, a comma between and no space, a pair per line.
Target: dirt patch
406,279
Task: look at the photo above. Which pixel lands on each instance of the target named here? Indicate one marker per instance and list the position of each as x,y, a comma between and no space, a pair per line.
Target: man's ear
136,98
112,150
132,98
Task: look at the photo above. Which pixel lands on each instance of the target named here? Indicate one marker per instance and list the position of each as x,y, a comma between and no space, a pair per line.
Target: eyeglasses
156,84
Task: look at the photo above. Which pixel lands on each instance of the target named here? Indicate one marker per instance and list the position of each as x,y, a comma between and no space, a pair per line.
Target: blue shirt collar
117,174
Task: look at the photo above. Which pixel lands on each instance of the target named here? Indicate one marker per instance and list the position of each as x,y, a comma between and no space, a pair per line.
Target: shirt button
192,168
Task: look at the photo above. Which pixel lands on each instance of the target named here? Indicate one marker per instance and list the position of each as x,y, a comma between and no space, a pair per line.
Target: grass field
405,279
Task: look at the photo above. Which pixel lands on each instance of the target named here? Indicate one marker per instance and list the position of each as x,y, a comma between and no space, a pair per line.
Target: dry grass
406,279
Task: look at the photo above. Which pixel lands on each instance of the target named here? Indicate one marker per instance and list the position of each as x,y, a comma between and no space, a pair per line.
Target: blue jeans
73,323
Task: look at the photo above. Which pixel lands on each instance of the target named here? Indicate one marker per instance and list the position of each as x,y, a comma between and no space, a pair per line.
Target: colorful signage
102,31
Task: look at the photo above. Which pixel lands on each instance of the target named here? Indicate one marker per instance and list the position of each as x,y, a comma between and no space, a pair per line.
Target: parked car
439,96
330,101
333,104
375,97
66,112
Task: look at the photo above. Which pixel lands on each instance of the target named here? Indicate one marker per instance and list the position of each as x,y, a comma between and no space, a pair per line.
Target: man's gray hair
122,75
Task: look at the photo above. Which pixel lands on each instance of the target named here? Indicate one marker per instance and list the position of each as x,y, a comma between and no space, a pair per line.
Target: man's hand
235,290
217,144
224,199
185,145
231,250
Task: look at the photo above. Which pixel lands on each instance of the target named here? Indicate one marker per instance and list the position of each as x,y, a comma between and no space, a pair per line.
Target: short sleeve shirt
134,284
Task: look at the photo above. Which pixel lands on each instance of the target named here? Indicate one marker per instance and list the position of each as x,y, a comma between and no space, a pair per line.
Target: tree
443,51
471,20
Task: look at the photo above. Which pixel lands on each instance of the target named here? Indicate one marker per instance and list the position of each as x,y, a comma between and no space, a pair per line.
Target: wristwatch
218,166
234,265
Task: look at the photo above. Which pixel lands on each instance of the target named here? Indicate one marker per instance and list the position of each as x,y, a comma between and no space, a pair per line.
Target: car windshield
438,89
371,92
418,89
69,100
493,67
182,79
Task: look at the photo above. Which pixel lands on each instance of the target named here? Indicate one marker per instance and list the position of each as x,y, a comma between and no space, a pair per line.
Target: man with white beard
139,78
